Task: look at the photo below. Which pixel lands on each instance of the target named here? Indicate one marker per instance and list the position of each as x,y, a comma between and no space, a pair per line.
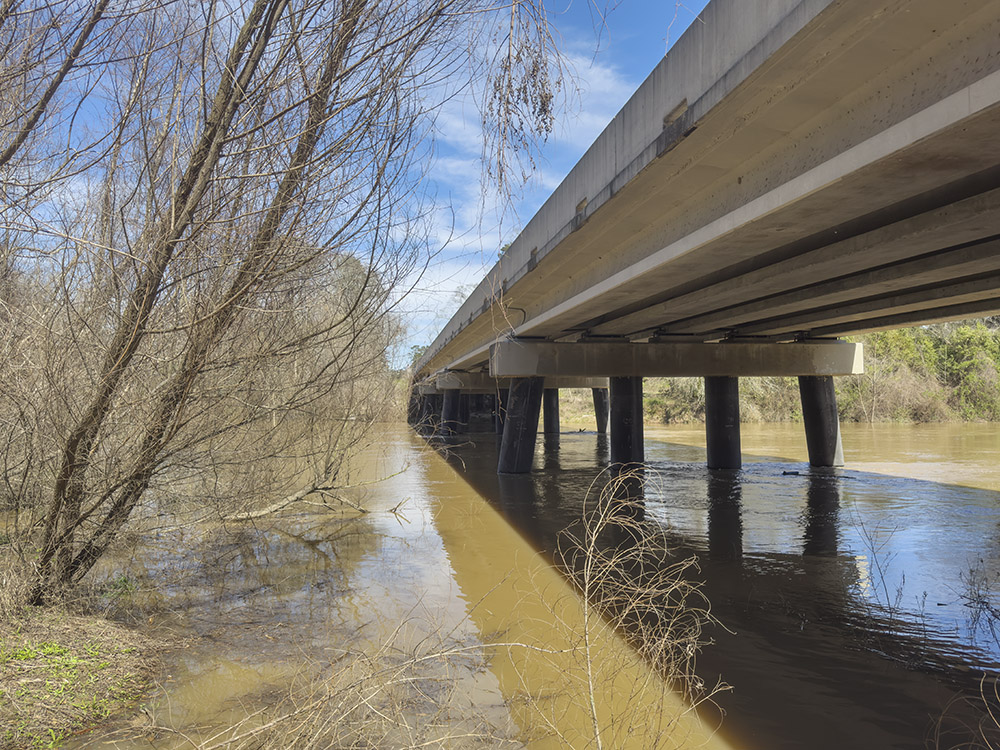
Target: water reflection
725,519
550,452
797,565
821,514
602,454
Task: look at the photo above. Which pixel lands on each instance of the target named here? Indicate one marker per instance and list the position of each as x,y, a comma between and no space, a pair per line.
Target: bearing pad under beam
661,359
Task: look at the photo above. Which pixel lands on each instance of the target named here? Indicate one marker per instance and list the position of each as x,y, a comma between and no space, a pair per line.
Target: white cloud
472,221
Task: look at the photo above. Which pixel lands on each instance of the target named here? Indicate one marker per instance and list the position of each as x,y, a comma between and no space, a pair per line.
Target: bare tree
200,297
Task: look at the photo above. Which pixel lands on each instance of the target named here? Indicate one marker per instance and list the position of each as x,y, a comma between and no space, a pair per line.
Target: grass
62,673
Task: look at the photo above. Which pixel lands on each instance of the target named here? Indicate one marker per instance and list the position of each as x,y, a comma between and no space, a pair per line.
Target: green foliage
673,400
930,373
971,368
926,374
121,587
416,352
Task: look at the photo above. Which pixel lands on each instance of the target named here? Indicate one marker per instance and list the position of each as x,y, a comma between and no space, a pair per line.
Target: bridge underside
841,174
796,172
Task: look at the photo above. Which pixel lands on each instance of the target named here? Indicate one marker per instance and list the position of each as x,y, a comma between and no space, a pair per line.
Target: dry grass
62,673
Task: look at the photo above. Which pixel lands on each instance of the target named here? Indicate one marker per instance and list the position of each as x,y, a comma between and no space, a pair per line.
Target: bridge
793,171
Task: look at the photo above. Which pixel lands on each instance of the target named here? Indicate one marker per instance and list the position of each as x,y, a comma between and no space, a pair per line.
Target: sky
609,60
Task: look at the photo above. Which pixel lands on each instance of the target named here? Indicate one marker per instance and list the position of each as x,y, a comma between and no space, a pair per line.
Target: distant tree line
935,373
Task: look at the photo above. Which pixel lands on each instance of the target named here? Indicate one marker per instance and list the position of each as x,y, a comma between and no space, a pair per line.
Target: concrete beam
481,382
973,269
621,359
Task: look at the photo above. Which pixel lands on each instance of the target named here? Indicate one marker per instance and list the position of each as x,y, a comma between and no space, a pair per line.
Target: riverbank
427,621
63,673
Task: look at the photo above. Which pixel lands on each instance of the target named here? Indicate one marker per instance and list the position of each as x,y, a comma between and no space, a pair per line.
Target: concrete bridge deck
792,169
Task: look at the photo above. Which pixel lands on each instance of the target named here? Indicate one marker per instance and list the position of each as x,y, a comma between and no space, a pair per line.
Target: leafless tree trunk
200,290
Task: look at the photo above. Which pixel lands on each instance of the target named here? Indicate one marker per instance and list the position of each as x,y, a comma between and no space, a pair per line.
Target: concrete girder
795,128
933,276
938,314
965,225
617,359
833,191
974,290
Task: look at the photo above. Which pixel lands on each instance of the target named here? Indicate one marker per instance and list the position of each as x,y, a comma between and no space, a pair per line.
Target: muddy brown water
855,605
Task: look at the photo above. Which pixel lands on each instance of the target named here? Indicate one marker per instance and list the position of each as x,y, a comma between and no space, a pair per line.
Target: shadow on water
847,600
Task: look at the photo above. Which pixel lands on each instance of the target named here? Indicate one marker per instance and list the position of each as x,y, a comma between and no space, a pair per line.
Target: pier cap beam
520,358
482,382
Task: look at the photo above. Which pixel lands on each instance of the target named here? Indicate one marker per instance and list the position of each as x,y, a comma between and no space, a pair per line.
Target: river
854,608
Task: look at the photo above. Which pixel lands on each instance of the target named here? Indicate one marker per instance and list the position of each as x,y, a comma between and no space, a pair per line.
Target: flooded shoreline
443,585
817,579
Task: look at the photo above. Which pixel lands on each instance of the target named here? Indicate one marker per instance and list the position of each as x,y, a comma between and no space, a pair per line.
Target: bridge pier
601,409
464,411
520,430
423,412
413,408
625,396
431,418
819,413
550,411
451,412
722,422
499,410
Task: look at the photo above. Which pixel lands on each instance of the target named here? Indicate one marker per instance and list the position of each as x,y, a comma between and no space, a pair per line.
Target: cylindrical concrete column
499,410
520,430
722,422
601,409
450,412
464,411
625,395
550,411
819,413
431,419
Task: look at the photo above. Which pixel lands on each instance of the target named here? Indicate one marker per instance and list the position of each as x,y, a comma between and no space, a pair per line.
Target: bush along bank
936,373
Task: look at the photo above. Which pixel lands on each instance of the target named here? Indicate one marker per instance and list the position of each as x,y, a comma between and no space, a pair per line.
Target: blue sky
609,62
